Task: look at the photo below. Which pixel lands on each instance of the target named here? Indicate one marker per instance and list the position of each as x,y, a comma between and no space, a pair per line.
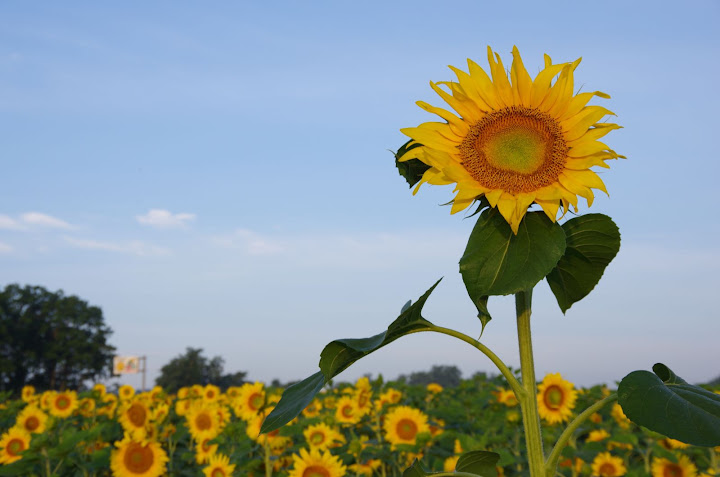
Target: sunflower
32,419
556,398
219,466
27,393
506,397
366,468
159,413
346,411
619,416
321,436
63,404
662,467
99,388
46,400
126,392
390,396
450,463
403,424
12,443
109,405
211,393
86,406
138,459
250,400
532,141
134,416
597,435
363,402
204,449
577,465
434,388
203,421
312,409
315,464
605,465
672,444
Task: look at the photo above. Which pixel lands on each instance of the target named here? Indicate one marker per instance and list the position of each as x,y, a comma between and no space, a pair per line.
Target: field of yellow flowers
368,429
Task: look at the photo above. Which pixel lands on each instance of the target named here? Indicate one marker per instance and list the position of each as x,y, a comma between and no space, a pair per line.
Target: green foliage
593,240
193,368
50,340
479,463
498,262
413,169
339,355
446,376
663,402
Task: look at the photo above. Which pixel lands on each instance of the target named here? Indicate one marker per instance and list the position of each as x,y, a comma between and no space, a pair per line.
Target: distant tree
446,376
50,341
194,368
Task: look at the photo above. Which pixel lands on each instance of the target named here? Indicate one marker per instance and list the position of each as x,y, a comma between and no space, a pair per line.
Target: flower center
218,473
607,470
317,438
406,429
255,401
347,411
137,415
673,470
554,397
516,149
315,471
62,403
203,421
138,458
32,423
14,447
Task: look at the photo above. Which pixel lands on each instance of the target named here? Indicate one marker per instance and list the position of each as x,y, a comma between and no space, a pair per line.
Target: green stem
528,401
268,465
47,462
501,366
552,460
714,464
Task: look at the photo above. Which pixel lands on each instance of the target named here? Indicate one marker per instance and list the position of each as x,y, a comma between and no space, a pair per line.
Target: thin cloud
161,218
251,242
8,223
44,220
135,247
5,248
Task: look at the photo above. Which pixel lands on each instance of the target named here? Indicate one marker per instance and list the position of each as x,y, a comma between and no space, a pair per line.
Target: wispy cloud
5,248
44,220
251,242
162,218
8,223
134,247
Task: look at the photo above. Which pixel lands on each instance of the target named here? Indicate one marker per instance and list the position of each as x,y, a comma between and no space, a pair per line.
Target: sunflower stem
528,400
554,457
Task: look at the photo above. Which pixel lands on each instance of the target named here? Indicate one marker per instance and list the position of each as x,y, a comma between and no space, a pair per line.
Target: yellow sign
126,364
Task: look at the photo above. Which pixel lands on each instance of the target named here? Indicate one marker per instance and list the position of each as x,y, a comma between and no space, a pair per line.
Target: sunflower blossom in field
514,141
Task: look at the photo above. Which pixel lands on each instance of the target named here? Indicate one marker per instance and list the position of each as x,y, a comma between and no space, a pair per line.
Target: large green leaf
479,463
417,469
498,262
413,169
665,403
340,354
593,240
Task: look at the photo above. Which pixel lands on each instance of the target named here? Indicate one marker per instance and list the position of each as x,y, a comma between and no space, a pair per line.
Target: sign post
130,365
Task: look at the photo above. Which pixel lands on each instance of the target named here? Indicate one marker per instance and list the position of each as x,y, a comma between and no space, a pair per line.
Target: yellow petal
579,101
484,85
458,126
594,133
587,148
430,138
473,90
541,84
581,122
500,79
550,207
493,196
522,83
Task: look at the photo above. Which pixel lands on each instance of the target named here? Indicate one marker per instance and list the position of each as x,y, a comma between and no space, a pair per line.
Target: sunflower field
372,429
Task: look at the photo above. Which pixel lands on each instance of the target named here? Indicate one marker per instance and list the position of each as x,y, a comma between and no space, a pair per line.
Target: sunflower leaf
593,240
479,463
498,262
413,169
340,354
665,403
483,313
417,469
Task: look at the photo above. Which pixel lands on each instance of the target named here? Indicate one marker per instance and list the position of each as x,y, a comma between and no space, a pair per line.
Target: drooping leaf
417,469
498,262
479,463
340,354
483,313
665,403
593,240
413,169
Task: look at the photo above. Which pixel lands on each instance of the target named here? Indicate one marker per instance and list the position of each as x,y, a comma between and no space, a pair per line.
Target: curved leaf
498,262
665,403
593,240
479,463
338,356
413,169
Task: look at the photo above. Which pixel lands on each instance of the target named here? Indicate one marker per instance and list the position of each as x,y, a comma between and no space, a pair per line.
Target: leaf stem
528,401
554,457
502,367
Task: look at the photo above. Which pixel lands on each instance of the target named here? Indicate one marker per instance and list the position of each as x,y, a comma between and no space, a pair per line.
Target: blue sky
219,177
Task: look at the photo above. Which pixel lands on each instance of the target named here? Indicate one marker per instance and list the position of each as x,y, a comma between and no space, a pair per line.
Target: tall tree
50,340
194,368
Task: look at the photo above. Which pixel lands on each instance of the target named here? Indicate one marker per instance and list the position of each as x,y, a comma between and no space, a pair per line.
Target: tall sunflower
250,400
125,392
515,141
606,465
403,424
203,421
138,459
12,443
32,419
134,416
204,449
321,436
556,398
63,404
662,467
316,464
346,411
219,466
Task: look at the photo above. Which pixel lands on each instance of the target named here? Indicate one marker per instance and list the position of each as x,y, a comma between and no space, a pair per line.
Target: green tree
446,376
50,340
194,368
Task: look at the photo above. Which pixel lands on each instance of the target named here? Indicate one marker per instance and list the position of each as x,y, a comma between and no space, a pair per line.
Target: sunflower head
219,466
556,398
316,464
134,458
514,141
63,404
32,419
12,444
662,467
404,424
